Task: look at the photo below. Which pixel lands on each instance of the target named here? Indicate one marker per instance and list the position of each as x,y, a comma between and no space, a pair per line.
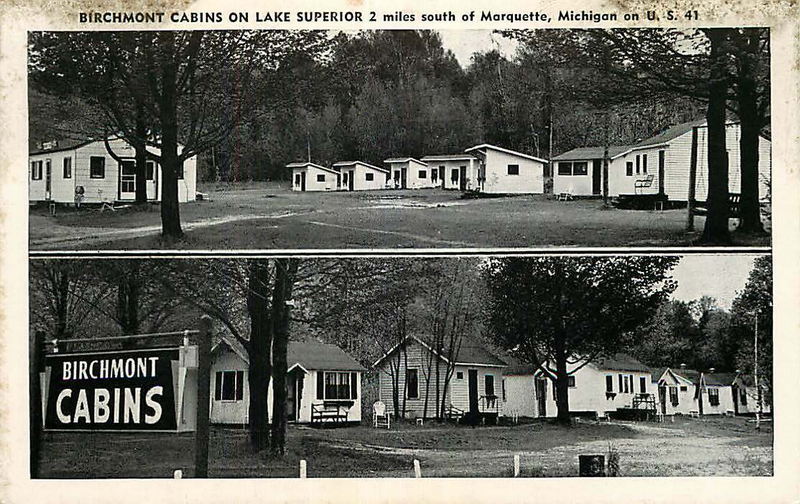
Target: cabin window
150,171
229,386
683,388
673,395
503,388
571,381
642,384
434,175
743,396
513,169
422,174
337,386
370,177
638,164
565,168
321,177
644,163
459,375
412,384
626,382
489,384
609,383
629,168
580,168
454,175
67,165
97,167
36,170
713,396
620,383
297,179
179,171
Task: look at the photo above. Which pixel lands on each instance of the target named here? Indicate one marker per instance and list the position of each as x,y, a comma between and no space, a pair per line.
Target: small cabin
685,391
504,171
602,386
659,165
361,176
409,173
313,177
324,384
454,171
85,172
413,371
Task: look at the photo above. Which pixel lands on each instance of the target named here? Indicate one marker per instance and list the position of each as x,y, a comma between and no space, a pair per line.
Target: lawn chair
566,195
641,184
380,418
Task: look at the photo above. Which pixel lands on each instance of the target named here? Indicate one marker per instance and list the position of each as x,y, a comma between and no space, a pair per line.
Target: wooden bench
734,206
330,411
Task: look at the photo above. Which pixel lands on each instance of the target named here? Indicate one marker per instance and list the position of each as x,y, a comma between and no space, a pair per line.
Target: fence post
516,466
417,469
203,398
303,469
36,351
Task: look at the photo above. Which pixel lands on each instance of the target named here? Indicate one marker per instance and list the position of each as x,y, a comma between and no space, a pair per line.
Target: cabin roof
620,362
314,165
671,133
585,153
311,355
404,160
719,378
449,157
469,353
504,150
362,163
64,144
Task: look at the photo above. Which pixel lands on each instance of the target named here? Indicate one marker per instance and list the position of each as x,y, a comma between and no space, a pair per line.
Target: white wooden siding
529,181
329,184
413,169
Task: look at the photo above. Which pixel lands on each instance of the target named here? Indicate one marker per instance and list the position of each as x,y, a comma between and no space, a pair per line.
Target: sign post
35,401
203,398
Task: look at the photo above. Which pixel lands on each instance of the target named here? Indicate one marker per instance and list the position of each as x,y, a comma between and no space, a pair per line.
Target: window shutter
218,386
239,385
353,385
320,385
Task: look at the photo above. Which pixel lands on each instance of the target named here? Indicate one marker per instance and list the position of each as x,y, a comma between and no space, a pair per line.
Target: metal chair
380,418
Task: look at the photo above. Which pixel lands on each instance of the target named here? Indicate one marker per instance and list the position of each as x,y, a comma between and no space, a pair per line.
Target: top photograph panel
453,139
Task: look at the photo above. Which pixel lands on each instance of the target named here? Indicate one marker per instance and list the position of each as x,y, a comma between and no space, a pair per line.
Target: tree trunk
716,227
750,213
141,156
128,289
562,389
284,279
260,344
170,162
61,280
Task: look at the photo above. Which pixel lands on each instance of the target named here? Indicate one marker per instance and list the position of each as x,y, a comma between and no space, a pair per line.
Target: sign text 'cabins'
120,390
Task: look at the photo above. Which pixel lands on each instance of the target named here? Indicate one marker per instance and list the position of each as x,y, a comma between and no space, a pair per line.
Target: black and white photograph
480,367
397,139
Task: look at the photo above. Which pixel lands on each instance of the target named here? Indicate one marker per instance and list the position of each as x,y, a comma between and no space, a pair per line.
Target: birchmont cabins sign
137,390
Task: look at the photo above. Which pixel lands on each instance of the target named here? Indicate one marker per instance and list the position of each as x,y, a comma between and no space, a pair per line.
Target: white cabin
504,171
454,171
690,392
361,176
319,376
659,165
598,388
472,390
409,173
313,177
85,172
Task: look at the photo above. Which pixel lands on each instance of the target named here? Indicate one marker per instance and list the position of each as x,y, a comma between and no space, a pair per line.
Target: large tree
560,313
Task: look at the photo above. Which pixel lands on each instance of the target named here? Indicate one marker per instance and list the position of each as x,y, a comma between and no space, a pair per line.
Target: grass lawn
268,216
685,447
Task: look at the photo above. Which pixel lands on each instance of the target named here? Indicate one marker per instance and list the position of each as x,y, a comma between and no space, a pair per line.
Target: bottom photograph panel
476,366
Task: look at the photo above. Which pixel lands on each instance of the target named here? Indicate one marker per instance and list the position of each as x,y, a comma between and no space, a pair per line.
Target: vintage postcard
341,250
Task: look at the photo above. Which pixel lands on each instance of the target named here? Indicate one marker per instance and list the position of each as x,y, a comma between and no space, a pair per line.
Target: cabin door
541,397
350,177
441,176
661,161
662,398
473,391
462,178
404,178
735,392
152,180
127,179
302,181
48,179
597,177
